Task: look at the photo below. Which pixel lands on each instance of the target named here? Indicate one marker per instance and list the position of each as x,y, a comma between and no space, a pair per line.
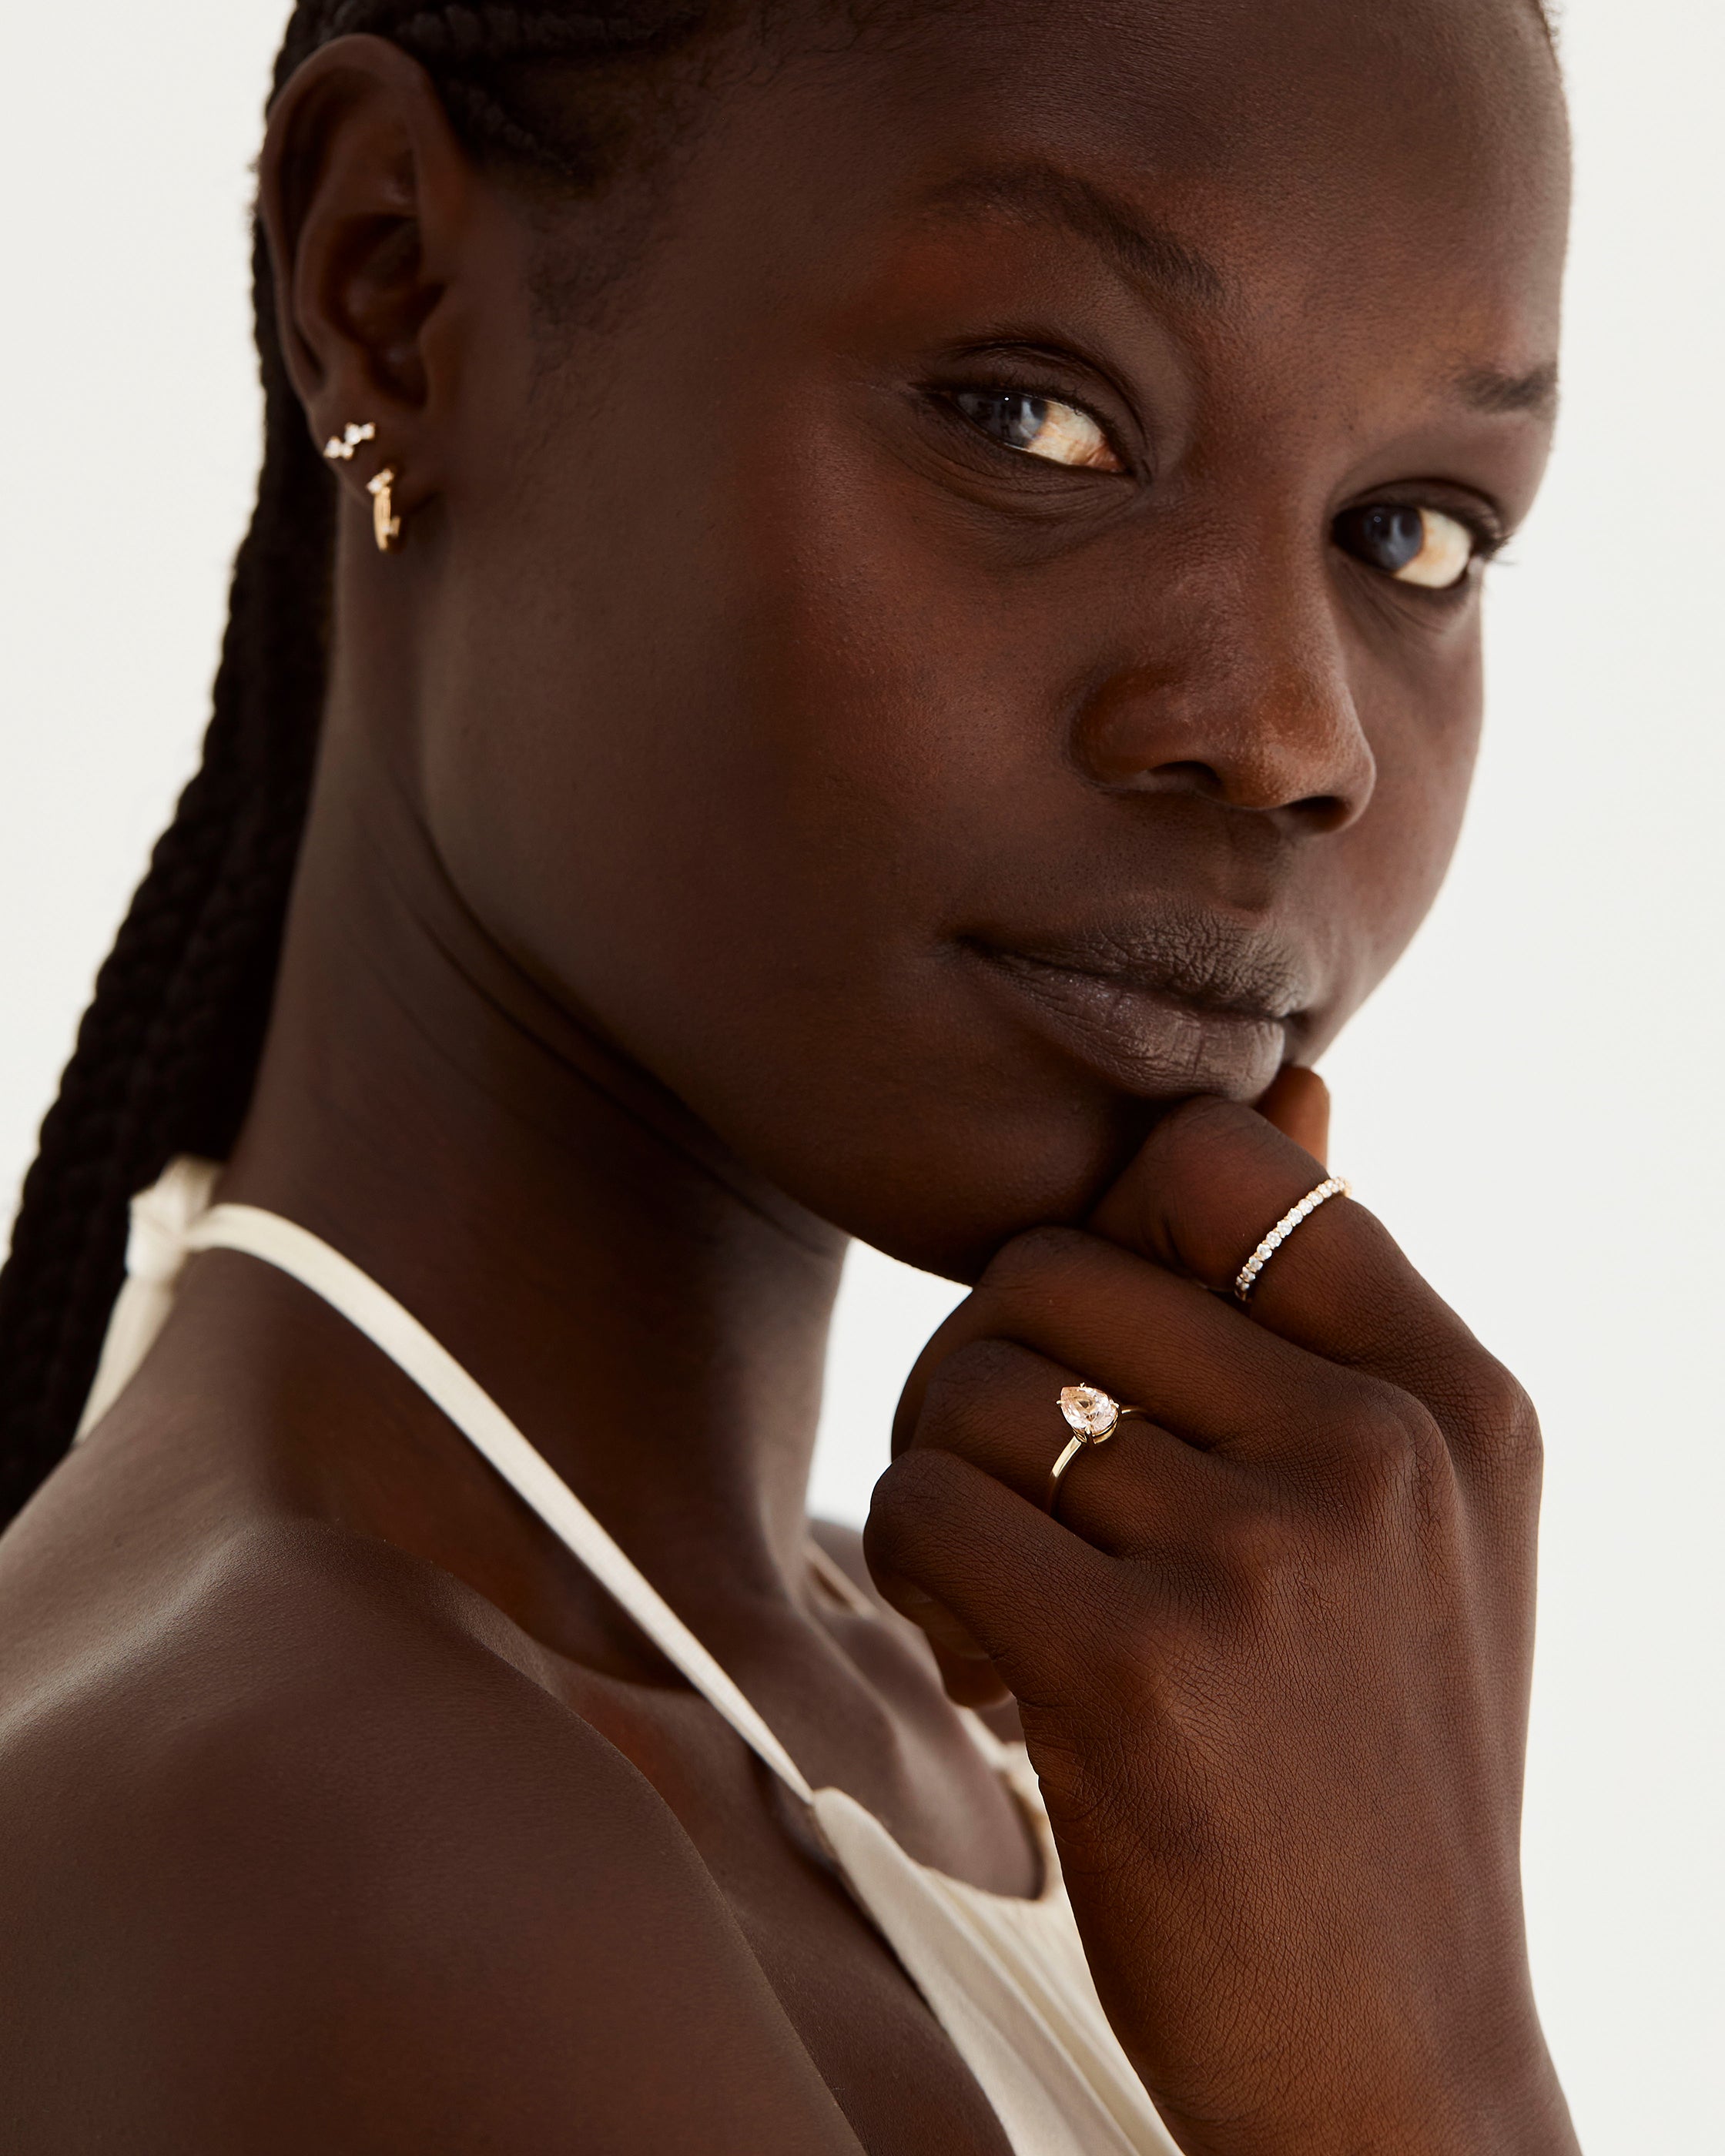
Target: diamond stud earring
340,448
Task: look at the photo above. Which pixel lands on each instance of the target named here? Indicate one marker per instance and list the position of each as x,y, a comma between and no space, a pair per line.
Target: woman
861,622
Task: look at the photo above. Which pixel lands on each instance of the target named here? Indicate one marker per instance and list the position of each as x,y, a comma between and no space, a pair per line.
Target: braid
165,1053
475,55
168,1051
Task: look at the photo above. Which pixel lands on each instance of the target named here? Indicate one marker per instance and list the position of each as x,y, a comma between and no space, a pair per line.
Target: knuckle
1211,1177
1196,1126
1501,1421
1032,1263
917,1498
1188,1146
1394,1448
1391,1479
1257,1553
970,1384
1128,1653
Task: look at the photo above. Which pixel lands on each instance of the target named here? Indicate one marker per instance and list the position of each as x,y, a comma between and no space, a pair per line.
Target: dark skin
761,805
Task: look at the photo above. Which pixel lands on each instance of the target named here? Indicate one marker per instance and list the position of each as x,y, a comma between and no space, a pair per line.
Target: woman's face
971,641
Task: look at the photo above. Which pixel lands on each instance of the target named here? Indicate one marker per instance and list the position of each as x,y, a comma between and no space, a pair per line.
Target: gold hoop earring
386,525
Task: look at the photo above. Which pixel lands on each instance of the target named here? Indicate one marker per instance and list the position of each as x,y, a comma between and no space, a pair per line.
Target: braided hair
168,1051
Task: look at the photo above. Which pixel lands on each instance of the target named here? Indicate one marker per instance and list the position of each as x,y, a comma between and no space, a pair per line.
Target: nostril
1183,777
1290,747
1314,814
1320,812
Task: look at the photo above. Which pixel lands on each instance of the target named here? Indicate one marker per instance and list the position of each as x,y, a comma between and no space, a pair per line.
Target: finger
1297,1103
944,1536
1057,1299
1210,1181
1206,1184
997,1404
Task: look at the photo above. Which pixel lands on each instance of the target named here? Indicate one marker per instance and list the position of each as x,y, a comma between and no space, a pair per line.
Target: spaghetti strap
1006,1978
375,1312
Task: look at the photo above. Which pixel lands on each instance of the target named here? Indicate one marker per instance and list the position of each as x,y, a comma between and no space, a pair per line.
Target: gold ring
1092,1416
1334,1186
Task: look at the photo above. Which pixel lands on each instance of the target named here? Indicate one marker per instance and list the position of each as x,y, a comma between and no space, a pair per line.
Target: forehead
1315,153
1212,87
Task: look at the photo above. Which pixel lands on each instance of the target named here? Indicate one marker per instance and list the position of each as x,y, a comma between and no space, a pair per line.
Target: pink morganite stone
1089,1411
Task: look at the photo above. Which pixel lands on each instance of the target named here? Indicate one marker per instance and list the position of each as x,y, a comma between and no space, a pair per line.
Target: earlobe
341,450
361,185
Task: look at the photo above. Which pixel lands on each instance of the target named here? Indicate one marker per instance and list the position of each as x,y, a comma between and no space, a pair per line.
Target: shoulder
308,1860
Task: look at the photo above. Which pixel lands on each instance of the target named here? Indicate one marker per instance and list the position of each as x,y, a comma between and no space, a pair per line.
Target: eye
1415,545
1039,427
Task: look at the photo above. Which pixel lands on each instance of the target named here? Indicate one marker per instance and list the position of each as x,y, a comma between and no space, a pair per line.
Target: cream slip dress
1006,1978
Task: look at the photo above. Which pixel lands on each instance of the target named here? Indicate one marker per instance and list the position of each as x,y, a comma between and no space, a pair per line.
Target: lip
1158,1008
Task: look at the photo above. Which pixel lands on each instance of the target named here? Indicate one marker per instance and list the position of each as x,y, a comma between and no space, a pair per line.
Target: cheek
747,766
745,739
1382,880
725,779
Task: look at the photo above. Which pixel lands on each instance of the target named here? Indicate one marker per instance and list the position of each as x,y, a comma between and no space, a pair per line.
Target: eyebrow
1495,390
1145,253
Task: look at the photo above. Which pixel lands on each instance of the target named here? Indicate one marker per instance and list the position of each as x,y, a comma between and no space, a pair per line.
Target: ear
364,191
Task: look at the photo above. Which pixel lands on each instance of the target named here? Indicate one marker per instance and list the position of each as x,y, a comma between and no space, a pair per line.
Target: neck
650,1314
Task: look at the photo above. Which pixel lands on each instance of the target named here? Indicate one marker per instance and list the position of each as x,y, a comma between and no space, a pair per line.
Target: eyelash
1024,381
1489,538
1488,535
1037,396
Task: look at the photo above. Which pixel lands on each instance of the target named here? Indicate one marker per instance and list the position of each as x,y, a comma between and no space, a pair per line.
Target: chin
946,1200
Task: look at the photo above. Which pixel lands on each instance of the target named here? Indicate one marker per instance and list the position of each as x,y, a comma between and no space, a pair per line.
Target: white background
1532,1103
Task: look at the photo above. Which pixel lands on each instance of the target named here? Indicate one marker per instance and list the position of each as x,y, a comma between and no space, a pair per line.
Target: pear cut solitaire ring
1092,1416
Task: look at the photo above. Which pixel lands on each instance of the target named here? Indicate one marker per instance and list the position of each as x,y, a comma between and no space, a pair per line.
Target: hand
1272,1655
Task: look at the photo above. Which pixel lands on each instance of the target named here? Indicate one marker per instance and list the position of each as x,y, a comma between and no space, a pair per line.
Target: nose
1247,704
